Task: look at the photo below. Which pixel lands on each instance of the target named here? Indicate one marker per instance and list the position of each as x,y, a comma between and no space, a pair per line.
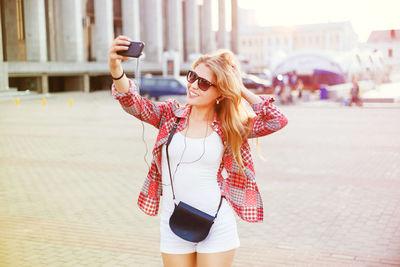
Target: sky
365,16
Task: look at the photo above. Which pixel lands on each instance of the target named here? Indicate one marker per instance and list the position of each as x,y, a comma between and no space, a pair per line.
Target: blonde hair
235,118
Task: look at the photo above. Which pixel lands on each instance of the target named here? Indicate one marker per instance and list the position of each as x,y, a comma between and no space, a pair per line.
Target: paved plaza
70,177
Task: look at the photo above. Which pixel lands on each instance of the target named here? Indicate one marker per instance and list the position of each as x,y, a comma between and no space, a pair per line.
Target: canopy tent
322,67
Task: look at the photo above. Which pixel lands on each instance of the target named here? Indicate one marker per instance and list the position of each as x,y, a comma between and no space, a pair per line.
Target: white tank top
194,183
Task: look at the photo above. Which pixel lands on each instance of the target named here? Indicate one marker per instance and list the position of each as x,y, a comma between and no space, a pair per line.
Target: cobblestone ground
70,177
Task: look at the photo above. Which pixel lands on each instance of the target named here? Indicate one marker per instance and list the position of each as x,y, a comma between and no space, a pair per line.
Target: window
162,82
174,84
392,34
149,82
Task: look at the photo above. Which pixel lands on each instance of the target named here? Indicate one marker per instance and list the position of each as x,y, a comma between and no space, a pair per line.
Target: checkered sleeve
269,118
142,108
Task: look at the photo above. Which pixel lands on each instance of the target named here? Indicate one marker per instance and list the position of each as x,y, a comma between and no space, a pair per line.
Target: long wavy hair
234,117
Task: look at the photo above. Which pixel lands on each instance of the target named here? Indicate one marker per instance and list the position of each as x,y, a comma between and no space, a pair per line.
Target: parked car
156,86
257,85
265,74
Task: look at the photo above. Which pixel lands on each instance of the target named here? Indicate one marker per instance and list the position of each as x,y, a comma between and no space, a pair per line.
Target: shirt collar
183,112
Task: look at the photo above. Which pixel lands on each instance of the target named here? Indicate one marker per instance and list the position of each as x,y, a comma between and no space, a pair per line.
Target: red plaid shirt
239,189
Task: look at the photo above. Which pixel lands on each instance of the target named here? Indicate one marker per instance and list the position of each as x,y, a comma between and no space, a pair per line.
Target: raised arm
125,91
269,118
121,82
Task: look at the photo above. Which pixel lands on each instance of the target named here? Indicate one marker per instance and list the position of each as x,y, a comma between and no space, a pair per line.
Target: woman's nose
195,84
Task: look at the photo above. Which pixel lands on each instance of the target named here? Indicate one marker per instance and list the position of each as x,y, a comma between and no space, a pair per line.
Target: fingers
115,56
121,43
121,40
120,48
122,37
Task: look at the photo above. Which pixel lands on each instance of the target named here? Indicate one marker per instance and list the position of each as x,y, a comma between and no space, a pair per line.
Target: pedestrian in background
299,88
355,93
293,78
209,153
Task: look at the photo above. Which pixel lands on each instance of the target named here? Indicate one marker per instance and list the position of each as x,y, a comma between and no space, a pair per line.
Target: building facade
260,45
388,43
50,45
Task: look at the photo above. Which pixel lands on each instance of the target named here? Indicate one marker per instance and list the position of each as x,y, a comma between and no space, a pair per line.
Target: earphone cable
140,113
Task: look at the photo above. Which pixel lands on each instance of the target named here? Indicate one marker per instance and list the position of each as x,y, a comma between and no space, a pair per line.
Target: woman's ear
220,98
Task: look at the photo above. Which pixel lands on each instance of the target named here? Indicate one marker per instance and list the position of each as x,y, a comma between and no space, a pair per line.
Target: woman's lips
192,94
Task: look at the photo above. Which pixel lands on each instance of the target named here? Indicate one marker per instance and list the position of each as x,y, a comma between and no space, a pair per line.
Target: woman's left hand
238,75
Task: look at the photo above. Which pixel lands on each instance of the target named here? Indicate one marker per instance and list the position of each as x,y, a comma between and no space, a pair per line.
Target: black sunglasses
202,83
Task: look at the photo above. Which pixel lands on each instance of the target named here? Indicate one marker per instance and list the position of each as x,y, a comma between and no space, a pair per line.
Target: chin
191,100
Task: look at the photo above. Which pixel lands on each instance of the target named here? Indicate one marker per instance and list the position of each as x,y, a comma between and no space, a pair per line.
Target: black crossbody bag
186,221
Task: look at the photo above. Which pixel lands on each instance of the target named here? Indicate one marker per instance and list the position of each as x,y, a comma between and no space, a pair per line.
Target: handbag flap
196,211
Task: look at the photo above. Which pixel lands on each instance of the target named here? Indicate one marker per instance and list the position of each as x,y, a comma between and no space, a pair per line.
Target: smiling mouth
193,94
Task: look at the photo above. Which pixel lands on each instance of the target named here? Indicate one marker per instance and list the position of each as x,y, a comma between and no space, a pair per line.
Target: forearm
269,118
250,97
121,85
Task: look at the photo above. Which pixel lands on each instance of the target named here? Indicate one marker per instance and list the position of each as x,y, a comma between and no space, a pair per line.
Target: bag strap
168,142
219,206
169,168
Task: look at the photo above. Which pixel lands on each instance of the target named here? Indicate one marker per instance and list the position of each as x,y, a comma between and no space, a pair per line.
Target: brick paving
70,177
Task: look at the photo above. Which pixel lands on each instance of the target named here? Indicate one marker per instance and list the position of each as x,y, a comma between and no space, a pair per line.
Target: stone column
53,33
104,27
235,27
207,35
3,75
35,30
86,83
70,37
192,29
151,29
3,65
175,27
44,84
222,40
131,19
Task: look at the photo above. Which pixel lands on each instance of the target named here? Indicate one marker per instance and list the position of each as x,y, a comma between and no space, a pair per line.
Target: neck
202,113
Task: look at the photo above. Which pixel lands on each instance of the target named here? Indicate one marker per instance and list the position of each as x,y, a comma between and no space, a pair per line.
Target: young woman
209,153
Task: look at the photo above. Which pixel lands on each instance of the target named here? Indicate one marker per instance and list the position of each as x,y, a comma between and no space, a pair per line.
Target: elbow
283,120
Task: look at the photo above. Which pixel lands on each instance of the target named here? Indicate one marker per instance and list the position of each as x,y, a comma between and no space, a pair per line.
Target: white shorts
223,235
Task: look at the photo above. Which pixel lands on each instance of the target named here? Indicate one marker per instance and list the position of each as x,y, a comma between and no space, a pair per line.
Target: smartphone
135,50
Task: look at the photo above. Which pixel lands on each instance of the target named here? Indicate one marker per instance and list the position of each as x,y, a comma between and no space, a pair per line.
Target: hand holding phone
135,50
